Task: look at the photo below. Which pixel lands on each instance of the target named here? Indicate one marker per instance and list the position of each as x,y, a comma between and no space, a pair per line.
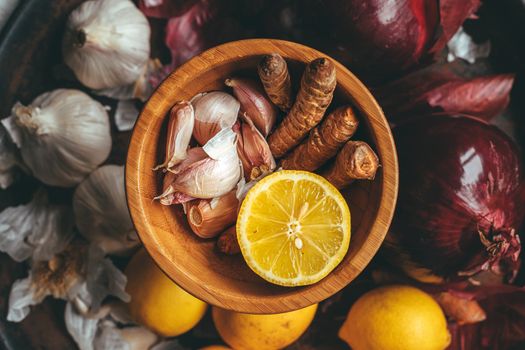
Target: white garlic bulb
63,136
106,43
101,211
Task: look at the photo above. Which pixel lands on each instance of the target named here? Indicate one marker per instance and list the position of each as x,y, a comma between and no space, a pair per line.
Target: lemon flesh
293,228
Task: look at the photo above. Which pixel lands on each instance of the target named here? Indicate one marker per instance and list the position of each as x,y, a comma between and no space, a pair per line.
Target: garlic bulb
36,230
101,211
9,160
142,88
106,43
214,111
63,136
208,177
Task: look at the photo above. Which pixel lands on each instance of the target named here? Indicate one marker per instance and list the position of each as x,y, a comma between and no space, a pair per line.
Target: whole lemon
396,317
157,302
262,332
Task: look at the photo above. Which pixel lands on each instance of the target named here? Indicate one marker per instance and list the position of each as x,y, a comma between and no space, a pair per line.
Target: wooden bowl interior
194,263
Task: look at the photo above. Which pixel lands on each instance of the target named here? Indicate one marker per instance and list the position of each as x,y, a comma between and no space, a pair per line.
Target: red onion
386,36
438,89
461,198
206,24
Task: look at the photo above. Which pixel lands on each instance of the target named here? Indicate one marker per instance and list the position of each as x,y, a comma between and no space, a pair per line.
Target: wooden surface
193,263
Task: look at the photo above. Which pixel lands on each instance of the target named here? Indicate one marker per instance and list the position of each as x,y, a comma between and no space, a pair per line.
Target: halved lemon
293,228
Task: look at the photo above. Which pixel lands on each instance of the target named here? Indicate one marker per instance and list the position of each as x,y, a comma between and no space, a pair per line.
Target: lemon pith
293,228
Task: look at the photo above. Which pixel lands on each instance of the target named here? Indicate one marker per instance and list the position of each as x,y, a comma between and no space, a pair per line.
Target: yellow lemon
157,302
293,228
262,332
396,318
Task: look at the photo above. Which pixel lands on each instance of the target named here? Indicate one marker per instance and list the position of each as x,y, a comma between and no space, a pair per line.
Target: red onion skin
457,176
438,88
166,8
206,24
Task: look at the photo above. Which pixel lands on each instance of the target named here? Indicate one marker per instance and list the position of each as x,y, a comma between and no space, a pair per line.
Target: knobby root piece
275,78
315,94
463,311
324,141
355,161
227,242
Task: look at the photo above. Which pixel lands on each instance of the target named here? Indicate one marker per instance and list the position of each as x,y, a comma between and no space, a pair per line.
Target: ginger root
355,161
315,94
275,78
227,242
324,141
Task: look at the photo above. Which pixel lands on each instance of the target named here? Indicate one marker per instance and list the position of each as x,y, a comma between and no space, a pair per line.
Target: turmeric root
315,94
227,242
324,141
355,161
274,75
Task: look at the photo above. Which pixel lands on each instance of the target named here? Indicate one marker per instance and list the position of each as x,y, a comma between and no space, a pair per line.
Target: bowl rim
290,300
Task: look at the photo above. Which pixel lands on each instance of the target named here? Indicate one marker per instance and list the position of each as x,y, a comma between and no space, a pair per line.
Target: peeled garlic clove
207,220
254,103
253,151
213,176
180,129
106,43
214,111
63,135
101,211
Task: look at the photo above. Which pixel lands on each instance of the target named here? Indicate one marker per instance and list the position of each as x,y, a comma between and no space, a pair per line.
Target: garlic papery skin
106,43
35,230
180,129
62,136
80,274
214,111
101,211
254,103
208,219
253,150
213,176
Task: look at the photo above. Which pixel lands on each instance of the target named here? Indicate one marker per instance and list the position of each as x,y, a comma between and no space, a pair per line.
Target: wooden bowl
193,263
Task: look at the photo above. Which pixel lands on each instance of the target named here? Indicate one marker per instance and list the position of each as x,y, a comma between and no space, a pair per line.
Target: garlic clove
169,195
213,176
254,103
253,150
207,221
180,129
214,111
